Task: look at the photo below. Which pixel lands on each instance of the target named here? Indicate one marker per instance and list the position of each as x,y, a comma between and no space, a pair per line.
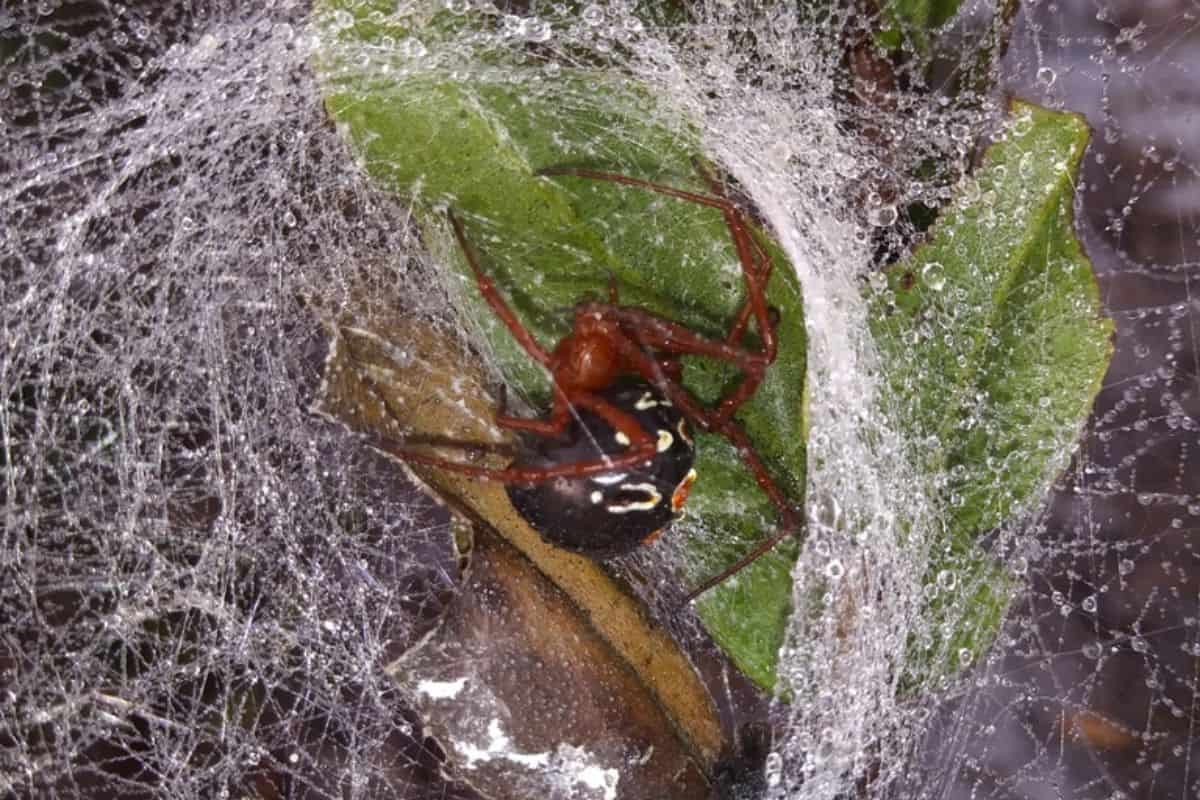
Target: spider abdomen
609,513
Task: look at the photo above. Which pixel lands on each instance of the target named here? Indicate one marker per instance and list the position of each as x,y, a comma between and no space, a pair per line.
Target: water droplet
834,570
1021,126
845,165
512,25
934,276
412,48
883,216
538,30
773,769
593,15
825,511
1046,77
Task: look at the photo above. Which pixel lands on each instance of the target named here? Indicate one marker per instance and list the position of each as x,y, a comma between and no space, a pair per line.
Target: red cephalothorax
610,465
586,359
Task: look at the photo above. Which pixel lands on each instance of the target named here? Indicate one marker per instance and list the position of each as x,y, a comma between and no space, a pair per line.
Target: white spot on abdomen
647,400
653,498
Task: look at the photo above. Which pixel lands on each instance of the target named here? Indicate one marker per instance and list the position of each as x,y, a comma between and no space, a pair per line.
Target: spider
610,465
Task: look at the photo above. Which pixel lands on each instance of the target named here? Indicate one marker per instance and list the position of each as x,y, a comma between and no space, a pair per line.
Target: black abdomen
609,513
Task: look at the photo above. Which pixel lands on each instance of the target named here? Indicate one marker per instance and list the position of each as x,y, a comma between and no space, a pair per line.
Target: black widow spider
598,470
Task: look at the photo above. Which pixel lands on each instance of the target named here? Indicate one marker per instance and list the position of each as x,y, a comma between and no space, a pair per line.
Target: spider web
199,578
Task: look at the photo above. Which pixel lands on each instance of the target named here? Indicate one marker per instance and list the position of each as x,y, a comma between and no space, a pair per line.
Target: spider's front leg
757,266
492,295
617,475
653,332
638,446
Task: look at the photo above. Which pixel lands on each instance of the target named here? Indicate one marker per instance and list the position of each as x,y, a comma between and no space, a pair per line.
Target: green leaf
914,21
471,134
995,342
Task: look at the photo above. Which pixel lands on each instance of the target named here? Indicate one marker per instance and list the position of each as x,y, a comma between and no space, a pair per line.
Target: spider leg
754,306
651,330
756,270
789,520
521,474
715,422
654,332
762,547
756,267
642,446
756,273
621,421
487,288
764,266
556,423
671,367
614,177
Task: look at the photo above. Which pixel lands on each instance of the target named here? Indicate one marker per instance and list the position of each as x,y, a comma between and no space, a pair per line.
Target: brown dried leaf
399,377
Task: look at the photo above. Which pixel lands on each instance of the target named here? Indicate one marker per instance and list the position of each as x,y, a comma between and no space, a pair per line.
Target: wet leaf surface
472,138
996,345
